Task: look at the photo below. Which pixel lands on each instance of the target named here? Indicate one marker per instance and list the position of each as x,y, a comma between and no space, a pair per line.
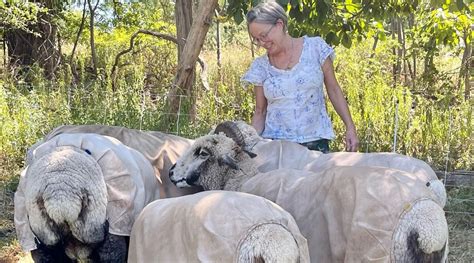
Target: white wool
116,175
261,241
427,219
62,181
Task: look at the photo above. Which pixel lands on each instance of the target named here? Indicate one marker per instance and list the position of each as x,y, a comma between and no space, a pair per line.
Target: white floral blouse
296,109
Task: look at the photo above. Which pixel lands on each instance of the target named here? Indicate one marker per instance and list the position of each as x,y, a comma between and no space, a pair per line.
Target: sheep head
211,160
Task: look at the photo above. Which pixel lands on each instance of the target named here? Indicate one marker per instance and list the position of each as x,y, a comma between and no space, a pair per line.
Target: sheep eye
203,153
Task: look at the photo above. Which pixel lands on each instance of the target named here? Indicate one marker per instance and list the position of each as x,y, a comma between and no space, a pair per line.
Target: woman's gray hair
267,12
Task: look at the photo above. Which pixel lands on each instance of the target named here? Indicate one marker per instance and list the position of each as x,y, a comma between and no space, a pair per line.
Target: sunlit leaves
344,21
19,14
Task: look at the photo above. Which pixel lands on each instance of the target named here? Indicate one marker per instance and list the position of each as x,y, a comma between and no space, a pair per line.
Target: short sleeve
256,75
324,49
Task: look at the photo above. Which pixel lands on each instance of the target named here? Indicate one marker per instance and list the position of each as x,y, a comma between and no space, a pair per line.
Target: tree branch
173,39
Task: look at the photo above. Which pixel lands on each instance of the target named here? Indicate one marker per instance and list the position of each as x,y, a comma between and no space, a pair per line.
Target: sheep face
207,163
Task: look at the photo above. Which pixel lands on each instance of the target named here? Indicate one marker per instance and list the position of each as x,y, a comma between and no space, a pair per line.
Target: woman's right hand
352,142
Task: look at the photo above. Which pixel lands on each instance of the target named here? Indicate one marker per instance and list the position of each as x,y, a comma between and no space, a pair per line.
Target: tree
35,40
194,42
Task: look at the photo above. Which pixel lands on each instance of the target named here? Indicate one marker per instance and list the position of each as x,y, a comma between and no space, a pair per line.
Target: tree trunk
374,46
184,20
183,81
464,71
218,41
398,52
395,65
72,64
92,39
412,66
26,49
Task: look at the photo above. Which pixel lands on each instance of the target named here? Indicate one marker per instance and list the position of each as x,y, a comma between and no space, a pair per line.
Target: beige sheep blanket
204,227
130,179
283,154
347,214
272,155
161,149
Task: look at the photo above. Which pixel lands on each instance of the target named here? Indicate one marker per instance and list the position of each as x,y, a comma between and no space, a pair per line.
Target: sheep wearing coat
216,226
277,154
78,197
350,214
160,149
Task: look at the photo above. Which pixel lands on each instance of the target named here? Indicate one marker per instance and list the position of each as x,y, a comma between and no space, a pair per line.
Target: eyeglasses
263,37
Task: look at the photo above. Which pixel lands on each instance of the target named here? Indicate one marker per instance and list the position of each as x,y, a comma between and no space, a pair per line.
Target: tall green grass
438,133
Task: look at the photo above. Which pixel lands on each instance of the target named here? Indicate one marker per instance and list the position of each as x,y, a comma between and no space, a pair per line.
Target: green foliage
346,21
431,130
20,14
428,129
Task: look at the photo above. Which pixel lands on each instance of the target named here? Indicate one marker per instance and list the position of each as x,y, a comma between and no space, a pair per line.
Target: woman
288,83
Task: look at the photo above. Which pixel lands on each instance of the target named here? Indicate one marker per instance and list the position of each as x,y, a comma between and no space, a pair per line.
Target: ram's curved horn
231,130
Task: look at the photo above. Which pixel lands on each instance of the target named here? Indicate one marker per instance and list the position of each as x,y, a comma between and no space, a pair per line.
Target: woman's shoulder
318,48
263,59
315,41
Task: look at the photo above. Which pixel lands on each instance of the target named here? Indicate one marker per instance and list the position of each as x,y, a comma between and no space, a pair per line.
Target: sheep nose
170,172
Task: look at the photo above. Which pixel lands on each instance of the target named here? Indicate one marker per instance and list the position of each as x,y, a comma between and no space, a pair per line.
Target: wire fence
459,184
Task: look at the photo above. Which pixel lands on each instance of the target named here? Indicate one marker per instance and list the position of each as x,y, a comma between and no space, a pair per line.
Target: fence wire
459,184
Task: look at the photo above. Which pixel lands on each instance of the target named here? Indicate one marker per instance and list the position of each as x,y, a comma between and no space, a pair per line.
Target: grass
460,212
10,250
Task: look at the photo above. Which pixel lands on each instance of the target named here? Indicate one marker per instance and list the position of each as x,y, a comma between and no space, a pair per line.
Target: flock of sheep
95,193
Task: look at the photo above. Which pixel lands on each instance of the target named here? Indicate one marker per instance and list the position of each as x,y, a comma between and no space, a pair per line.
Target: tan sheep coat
204,227
272,155
130,179
347,214
282,154
161,149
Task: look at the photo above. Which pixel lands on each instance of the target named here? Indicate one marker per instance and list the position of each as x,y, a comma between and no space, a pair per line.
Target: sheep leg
113,250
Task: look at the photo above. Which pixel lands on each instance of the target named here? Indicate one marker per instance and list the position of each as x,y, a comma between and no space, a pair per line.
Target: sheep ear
229,161
251,154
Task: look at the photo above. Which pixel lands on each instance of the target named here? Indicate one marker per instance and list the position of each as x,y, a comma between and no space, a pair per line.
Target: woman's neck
286,48
283,58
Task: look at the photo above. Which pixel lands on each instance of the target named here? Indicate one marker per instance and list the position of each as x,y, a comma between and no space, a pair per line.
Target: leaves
355,20
20,14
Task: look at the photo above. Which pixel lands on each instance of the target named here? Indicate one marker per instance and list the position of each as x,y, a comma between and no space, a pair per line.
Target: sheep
159,148
216,226
347,213
277,154
78,197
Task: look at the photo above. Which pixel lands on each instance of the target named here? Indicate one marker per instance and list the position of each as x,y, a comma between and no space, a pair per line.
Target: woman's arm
340,105
258,119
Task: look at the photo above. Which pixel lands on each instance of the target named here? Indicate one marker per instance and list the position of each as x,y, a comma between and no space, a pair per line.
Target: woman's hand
352,142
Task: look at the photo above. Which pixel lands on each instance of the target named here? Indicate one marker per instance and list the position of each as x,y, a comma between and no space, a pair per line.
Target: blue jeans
321,145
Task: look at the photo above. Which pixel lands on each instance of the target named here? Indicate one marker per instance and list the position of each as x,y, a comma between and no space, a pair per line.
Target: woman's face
268,36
